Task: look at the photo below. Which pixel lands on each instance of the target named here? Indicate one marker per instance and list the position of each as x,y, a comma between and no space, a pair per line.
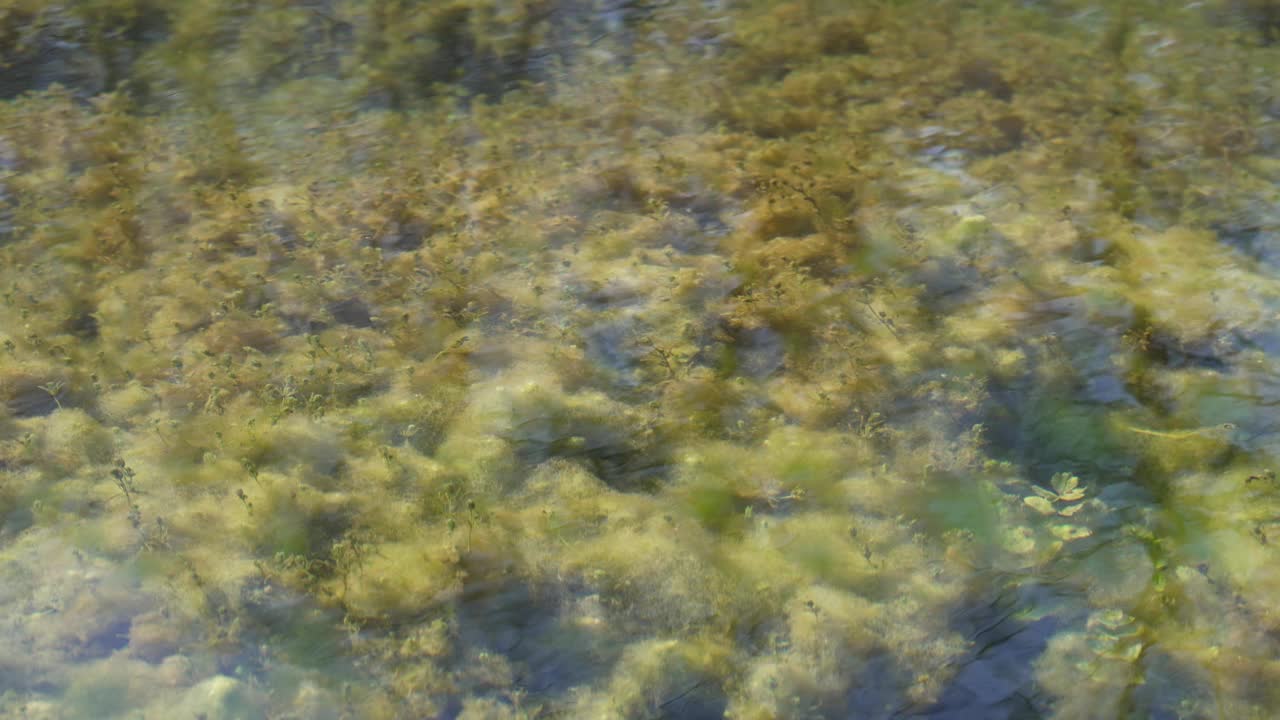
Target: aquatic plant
497,359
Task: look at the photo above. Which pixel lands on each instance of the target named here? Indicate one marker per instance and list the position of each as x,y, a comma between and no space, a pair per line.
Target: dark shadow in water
8,230
106,640
508,617
1061,425
29,400
878,688
87,57
700,701
1046,431
1256,240
1168,684
755,353
996,681
1168,352
550,652
351,311
291,628
548,655
622,461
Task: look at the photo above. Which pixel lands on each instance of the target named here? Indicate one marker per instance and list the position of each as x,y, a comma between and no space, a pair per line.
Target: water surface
498,359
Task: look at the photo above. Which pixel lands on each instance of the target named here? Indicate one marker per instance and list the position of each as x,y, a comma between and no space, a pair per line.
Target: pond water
639,359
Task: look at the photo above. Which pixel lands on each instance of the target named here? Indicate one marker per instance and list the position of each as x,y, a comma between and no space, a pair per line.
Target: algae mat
622,359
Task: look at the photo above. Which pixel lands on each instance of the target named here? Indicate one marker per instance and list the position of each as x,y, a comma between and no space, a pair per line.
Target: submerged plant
635,359
1066,490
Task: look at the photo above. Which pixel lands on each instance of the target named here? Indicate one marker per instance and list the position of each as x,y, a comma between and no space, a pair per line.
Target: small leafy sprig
1064,500
123,475
1066,489
54,389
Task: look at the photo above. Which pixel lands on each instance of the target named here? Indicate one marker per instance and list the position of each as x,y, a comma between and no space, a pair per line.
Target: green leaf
1039,504
1111,618
1128,652
1070,510
1070,532
1020,540
1065,483
1046,494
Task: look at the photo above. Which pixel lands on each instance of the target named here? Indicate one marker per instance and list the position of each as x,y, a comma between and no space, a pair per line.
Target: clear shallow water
749,360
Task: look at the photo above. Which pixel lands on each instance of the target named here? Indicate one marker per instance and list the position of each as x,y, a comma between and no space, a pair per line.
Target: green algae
490,359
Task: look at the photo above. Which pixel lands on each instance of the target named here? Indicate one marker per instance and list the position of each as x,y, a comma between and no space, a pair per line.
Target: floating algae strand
549,359
1221,431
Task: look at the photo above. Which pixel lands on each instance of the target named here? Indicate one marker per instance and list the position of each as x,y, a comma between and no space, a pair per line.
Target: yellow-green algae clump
491,359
